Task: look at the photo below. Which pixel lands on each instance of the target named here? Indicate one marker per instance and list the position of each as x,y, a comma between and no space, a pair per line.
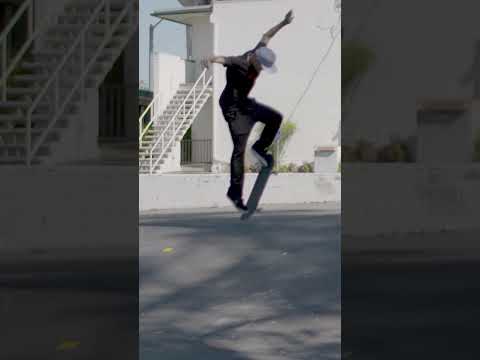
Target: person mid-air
242,112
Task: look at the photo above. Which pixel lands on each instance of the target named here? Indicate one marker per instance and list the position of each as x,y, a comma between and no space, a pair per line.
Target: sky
169,37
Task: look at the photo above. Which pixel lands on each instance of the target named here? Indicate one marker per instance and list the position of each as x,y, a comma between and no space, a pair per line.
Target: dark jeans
241,119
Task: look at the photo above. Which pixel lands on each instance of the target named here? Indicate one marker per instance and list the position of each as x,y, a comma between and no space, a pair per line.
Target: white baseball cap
266,57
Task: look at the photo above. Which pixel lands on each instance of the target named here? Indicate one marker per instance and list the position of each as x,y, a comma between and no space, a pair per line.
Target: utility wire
317,69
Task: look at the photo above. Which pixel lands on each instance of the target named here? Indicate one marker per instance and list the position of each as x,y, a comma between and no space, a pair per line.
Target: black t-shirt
241,77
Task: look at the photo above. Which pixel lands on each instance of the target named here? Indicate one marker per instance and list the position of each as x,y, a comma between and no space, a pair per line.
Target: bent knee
277,118
238,150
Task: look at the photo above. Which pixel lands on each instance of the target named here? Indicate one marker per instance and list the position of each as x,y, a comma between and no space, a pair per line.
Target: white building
419,59
306,90
76,106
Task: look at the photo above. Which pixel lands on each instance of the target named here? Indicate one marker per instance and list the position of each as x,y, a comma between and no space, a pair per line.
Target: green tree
356,59
286,132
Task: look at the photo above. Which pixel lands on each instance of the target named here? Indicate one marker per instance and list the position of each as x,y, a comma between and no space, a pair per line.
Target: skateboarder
242,112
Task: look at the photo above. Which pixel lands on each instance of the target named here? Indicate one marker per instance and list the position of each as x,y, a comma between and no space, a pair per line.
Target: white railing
153,115
152,111
79,44
8,65
193,95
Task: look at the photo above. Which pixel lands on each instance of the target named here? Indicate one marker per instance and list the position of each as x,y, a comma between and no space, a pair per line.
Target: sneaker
265,159
237,202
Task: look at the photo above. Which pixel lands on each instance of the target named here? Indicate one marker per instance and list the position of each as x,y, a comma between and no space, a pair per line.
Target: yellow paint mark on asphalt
168,250
68,345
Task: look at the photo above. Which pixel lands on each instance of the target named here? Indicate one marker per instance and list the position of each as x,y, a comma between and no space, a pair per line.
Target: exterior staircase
165,130
43,86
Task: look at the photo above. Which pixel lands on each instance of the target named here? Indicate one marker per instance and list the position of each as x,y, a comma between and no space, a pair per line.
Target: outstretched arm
213,60
223,60
273,31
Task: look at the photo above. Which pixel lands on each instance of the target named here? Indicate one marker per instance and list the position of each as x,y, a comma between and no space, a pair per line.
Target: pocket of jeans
230,114
242,124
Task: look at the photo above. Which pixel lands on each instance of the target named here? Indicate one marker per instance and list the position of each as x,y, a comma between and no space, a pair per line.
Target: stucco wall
42,205
445,138
435,62
387,198
202,46
169,74
208,190
130,71
78,141
300,48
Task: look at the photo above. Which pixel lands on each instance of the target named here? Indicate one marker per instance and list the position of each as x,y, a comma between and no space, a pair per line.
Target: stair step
30,78
94,27
20,116
159,130
145,166
152,138
35,65
146,159
107,53
19,139
145,163
180,101
178,119
169,112
38,121
19,104
89,10
10,117
21,131
81,20
92,4
146,148
43,149
181,98
166,120
56,34
92,44
84,17
185,92
20,160
17,91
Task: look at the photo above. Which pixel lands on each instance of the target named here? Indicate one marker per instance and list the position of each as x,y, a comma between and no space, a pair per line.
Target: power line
315,73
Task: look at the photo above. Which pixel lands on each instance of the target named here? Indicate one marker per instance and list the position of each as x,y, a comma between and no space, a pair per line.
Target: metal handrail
85,68
27,5
174,118
142,130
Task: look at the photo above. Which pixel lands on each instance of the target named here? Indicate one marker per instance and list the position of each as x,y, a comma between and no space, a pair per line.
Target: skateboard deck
257,191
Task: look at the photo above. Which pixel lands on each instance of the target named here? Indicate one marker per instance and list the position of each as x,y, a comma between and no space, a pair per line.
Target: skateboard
257,191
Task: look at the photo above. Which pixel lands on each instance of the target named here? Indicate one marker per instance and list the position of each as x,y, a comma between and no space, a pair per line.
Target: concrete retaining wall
80,208
381,198
208,190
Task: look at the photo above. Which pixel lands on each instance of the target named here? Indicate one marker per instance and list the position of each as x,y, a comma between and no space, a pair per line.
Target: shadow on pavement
419,302
266,289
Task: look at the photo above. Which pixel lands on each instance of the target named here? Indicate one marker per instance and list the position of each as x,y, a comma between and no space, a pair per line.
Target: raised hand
205,63
288,18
